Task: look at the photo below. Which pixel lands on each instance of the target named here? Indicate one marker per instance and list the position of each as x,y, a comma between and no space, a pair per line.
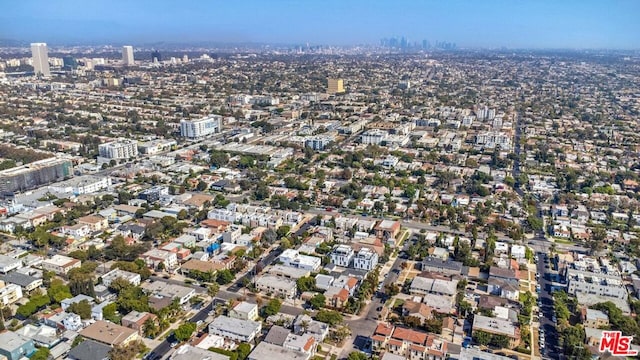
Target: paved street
551,349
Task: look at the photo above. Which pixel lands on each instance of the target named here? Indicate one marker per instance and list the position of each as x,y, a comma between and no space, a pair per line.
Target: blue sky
471,23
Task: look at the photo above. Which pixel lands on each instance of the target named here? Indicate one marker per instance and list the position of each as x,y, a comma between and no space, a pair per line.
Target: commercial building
127,55
109,333
199,129
40,58
35,174
120,149
60,264
335,86
235,329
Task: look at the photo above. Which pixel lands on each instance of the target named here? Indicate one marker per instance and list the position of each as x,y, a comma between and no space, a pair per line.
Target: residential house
95,223
388,230
342,255
411,344
8,263
594,318
136,320
293,258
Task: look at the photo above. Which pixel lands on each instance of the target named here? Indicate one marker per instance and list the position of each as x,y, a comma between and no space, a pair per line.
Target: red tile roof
409,335
383,329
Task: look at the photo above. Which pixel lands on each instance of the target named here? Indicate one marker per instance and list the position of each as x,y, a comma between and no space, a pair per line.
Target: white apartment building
10,294
373,137
276,285
365,259
198,129
155,257
120,149
595,283
293,258
235,329
342,255
8,263
133,278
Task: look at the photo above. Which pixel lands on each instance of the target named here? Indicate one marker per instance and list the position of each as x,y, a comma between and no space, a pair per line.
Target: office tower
155,56
127,55
69,63
199,129
40,59
335,86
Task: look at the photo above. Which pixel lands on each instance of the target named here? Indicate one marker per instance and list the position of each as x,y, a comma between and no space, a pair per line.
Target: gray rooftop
265,350
237,326
277,335
90,350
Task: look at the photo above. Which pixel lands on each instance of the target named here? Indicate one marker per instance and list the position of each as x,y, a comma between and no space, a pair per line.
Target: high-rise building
40,59
335,86
127,56
69,63
198,129
155,56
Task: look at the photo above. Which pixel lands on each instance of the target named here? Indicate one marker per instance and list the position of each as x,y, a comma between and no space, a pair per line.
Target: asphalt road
161,350
551,349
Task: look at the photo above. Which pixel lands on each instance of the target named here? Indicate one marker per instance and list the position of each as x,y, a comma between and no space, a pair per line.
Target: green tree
318,301
82,308
184,331
224,277
243,350
329,316
110,312
306,283
213,289
150,328
272,307
40,354
481,337
58,291
357,355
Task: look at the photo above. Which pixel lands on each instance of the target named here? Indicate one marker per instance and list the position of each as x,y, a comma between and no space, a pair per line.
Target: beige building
60,264
110,334
335,86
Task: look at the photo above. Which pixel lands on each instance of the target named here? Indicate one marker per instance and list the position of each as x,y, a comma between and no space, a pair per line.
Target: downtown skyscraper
127,56
40,59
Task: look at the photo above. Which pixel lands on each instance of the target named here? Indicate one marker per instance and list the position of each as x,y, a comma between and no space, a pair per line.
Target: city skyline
487,24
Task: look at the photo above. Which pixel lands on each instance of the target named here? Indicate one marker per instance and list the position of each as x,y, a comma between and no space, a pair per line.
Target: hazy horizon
539,24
